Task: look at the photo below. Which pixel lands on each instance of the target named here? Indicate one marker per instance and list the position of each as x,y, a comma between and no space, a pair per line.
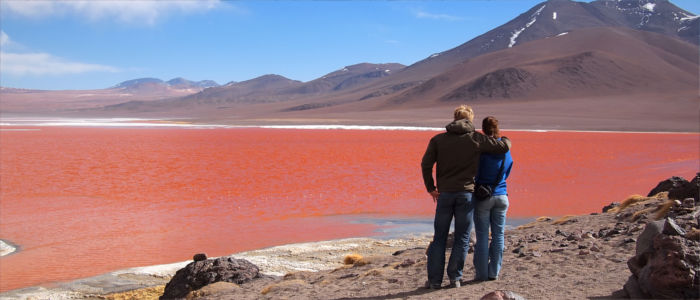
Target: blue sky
97,44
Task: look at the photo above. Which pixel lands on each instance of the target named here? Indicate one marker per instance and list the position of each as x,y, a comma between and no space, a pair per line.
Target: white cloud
134,11
426,15
21,64
4,39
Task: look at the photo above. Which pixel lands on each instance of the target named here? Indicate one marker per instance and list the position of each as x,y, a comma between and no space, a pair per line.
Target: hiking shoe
432,286
455,283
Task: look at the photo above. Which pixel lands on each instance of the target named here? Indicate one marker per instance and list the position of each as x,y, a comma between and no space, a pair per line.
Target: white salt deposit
157,270
348,127
6,248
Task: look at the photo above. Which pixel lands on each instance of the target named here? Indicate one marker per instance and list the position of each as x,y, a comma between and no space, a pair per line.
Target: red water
85,201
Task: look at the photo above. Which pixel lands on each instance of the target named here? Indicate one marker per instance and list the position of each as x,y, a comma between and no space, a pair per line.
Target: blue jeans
488,258
449,205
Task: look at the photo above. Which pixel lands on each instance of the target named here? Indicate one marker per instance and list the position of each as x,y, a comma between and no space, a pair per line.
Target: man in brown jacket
456,153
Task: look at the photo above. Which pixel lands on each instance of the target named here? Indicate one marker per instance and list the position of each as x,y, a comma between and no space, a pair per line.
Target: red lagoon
85,201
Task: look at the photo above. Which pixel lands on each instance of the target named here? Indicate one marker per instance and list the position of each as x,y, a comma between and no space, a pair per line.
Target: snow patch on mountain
517,33
689,18
649,6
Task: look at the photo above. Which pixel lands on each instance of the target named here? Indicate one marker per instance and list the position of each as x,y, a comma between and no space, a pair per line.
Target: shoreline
275,261
174,123
573,257
393,234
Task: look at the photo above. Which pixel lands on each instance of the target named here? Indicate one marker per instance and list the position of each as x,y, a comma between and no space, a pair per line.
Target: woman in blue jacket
491,212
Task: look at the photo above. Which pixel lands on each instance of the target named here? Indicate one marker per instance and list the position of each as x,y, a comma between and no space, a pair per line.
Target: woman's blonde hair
464,112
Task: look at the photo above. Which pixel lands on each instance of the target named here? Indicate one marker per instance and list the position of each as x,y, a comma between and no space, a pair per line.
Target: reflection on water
84,201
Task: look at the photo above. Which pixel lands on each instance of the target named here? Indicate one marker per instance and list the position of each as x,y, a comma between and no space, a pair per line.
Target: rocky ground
574,257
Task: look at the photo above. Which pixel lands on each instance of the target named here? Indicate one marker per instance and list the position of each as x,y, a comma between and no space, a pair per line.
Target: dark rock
399,252
519,250
502,295
348,276
644,241
679,188
610,206
688,190
668,184
595,248
200,257
620,294
671,228
629,240
632,289
668,274
407,262
201,273
612,232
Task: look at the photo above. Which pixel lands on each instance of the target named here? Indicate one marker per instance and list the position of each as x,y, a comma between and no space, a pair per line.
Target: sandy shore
574,257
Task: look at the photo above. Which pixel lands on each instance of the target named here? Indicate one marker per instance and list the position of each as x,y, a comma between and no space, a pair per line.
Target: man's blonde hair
464,112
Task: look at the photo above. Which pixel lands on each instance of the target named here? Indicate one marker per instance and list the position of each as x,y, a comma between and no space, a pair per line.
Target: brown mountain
554,17
587,62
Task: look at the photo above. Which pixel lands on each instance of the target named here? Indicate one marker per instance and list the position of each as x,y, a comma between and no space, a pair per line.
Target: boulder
199,257
669,273
678,188
671,228
666,264
667,185
610,206
201,273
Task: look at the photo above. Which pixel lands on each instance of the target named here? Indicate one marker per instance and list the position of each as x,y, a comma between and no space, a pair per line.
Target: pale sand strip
314,256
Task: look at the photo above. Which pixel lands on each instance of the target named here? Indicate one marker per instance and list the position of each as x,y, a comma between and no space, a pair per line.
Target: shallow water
85,201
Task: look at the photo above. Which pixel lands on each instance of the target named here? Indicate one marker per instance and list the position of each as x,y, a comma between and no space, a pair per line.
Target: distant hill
153,84
275,88
142,89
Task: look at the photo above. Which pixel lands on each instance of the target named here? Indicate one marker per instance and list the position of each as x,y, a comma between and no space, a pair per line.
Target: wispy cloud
4,39
21,64
134,12
421,14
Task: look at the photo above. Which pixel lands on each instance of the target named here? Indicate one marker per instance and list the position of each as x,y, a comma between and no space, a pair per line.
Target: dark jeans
450,204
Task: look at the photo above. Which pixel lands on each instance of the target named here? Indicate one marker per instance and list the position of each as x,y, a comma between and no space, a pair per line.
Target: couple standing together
463,157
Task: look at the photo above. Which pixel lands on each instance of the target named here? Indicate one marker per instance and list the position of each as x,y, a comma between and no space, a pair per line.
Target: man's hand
435,195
